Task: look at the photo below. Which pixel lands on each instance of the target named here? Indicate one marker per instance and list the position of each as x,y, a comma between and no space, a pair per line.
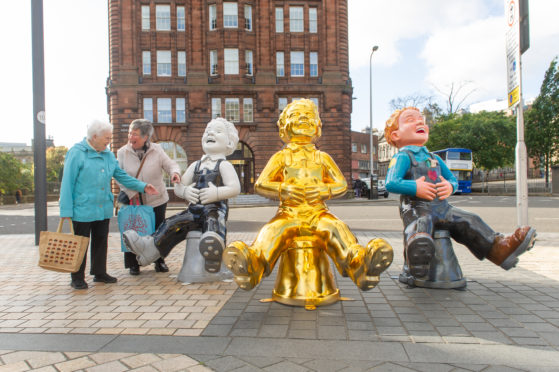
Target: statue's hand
444,189
209,194
292,192
313,194
189,193
425,190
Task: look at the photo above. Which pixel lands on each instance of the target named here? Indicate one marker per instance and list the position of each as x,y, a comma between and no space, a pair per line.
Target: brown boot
506,249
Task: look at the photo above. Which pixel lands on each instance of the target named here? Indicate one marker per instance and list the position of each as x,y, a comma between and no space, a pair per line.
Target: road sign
512,38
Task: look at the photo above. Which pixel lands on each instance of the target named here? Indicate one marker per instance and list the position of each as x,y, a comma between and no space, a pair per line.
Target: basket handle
62,223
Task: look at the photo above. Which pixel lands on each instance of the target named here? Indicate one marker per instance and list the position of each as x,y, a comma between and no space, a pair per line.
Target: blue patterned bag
140,218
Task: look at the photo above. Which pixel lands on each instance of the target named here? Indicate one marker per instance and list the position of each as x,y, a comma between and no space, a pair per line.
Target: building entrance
243,161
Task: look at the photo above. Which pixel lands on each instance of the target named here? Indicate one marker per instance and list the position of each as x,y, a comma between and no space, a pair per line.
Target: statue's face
215,138
412,130
301,123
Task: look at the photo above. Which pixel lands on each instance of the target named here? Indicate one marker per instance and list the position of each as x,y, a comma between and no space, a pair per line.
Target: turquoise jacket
399,165
85,193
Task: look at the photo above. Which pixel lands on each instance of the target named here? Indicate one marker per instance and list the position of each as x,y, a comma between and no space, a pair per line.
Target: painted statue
206,185
425,182
303,231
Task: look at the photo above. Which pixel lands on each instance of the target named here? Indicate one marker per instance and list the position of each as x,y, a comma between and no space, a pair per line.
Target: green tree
14,175
490,135
55,163
542,120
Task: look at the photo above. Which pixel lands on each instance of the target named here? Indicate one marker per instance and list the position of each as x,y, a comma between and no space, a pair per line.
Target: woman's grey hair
144,125
97,128
232,134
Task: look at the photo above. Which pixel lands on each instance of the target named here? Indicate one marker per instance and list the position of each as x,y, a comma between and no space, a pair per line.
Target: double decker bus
459,161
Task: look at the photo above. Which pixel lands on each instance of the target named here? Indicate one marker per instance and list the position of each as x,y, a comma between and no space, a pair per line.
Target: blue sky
424,46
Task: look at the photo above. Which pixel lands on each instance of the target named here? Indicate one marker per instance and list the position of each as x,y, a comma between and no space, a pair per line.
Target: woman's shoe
161,266
78,284
135,270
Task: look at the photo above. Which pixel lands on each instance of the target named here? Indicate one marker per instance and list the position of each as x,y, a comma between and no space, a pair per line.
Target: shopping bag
62,252
139,218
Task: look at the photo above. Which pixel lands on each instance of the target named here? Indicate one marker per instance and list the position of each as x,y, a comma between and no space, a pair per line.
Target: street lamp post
372,195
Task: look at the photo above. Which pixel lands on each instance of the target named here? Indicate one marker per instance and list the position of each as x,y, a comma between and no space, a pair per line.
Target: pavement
503,321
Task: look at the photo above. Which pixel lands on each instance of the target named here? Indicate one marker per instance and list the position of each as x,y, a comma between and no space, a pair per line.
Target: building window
230,15
181,24
279,19
176,153
181,63
315,101
231,61
164,111
297,63
296,19
248,60
146,62
282,102
353,147
148,109
363,148
247,110
313,67
163,63
232,109
213,62
163,17
280,67
180,111
312,21
248,17
213,17
216,108
145,17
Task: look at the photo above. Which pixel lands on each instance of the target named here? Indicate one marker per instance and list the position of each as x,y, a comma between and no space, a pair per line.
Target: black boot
160,266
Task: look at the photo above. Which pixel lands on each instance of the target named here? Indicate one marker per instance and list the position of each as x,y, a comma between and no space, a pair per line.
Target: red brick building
361,155
182,62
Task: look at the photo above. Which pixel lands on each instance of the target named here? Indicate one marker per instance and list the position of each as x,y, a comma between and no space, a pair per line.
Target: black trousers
98,234
208,217
129,257
420,216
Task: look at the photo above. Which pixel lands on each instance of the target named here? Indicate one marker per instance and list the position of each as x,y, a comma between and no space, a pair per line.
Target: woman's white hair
98,127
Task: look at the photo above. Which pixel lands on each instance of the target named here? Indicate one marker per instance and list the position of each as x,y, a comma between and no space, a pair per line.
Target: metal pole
521,158
39,155
371,164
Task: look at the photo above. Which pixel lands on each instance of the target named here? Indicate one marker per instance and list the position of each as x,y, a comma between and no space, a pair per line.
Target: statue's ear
394,136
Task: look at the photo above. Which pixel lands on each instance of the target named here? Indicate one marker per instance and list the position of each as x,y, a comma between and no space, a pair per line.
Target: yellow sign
514,96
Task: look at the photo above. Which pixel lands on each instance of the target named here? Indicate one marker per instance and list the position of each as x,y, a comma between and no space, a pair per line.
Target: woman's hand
175,178
151,190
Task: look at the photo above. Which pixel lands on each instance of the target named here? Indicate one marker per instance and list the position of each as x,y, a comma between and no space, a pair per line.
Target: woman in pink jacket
129,158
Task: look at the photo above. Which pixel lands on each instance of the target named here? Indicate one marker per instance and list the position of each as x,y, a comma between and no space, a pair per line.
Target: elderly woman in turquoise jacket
86,197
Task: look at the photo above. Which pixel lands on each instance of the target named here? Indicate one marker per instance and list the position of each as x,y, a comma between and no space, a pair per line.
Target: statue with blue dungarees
425,182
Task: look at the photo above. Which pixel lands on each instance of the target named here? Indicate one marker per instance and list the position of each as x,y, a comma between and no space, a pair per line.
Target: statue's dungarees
423,216
204,217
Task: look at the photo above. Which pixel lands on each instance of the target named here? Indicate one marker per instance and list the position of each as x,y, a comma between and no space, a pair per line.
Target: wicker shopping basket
62,252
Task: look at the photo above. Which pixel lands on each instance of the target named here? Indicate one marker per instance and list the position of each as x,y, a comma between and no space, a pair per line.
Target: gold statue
303,231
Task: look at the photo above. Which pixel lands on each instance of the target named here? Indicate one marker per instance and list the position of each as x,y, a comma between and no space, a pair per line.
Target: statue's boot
369,262
506,249
244,264
211,247
142,246
419,252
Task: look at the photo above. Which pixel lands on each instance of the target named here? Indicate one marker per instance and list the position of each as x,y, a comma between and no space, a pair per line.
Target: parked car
367,189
